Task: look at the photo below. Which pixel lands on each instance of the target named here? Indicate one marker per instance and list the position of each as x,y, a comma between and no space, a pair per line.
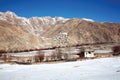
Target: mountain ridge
39,32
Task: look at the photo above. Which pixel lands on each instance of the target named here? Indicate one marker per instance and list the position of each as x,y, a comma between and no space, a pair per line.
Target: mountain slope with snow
39,32
97,69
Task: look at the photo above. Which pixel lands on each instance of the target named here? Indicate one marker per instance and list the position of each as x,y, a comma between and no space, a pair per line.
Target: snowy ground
97,69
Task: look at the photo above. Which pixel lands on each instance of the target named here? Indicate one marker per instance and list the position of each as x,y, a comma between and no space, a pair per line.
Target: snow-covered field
97,69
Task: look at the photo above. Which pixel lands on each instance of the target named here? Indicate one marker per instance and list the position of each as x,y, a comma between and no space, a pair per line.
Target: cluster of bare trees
58,55
41,57
116,50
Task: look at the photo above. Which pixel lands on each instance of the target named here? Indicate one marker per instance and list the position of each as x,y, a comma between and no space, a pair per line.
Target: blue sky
98,10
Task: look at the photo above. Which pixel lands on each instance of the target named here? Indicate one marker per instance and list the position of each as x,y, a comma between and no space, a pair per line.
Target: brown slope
82,32
14,39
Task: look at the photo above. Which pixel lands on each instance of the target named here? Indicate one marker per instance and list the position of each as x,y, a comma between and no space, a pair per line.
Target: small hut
89,53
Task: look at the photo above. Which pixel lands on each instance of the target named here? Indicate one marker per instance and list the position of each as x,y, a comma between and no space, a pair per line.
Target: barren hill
19,33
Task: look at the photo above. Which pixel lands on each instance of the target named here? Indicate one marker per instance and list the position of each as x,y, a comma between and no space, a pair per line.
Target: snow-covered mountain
20,33
32,25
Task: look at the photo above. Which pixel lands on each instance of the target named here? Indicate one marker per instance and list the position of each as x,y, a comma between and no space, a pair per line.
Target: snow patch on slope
61,19
88,19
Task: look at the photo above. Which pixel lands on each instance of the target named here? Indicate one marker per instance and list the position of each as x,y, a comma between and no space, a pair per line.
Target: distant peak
9,12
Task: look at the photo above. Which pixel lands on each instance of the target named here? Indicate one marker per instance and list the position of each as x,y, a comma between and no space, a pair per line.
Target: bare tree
65,56
53,57
40,56
57,55
4,57
0,54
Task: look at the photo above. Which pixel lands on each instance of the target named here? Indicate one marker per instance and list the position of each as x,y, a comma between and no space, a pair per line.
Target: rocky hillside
19,33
